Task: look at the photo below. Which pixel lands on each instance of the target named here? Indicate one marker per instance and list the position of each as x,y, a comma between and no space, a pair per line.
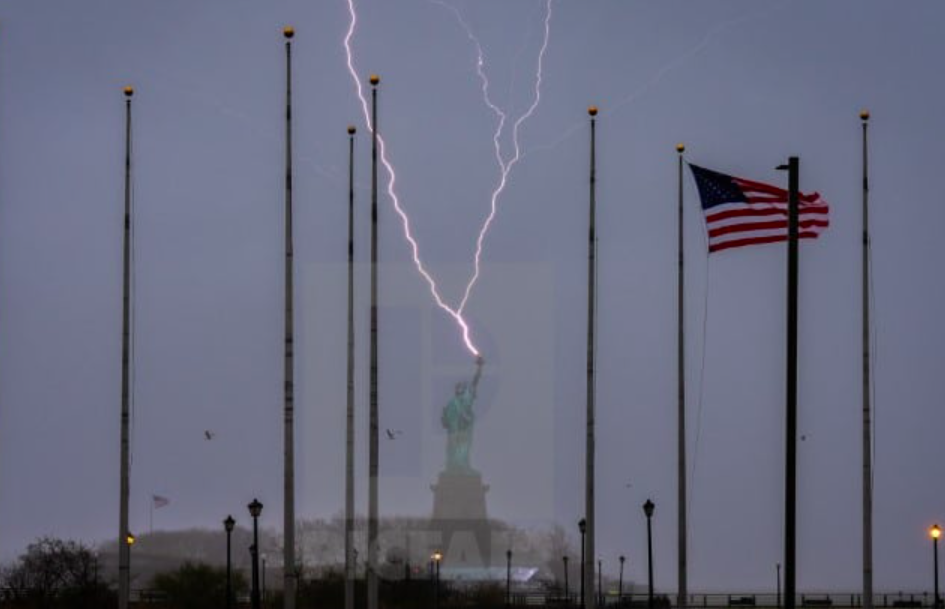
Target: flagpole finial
129,91
680,148
592,110
288,31
865,114
352,129
375,79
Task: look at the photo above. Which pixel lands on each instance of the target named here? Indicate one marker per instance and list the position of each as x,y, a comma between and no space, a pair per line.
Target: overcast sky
743,84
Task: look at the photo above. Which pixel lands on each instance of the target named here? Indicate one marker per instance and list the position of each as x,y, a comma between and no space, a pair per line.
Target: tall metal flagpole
682,591
373,439
588,566
790,465
867,442
124,548
288,559
349,450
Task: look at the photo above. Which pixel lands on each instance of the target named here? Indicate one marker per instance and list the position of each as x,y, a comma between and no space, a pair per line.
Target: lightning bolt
505,164
392,193
655,79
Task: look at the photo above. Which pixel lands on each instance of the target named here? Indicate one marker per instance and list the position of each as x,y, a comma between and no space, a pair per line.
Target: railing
455,597
897,600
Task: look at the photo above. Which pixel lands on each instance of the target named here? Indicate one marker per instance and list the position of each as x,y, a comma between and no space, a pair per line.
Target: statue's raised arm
475,381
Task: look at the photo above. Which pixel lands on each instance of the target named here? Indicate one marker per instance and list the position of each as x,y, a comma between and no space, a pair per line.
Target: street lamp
129,541
508,577
437,557
582,526
935,532
648,508
228,525
623,559
255,509
567,594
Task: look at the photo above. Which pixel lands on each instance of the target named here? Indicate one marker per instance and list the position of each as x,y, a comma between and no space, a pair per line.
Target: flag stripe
780,225
724,245
740,211
773,191
760,187
760,235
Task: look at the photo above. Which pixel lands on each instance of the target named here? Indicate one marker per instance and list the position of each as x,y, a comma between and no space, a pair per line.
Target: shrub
197,585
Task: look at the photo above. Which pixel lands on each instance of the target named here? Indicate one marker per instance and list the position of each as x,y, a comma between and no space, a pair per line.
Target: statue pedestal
459,496
461,520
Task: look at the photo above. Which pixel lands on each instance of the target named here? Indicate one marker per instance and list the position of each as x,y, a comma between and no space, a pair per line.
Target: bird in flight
393,433
208,435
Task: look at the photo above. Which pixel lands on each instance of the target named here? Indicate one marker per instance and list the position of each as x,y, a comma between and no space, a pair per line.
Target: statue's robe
458,419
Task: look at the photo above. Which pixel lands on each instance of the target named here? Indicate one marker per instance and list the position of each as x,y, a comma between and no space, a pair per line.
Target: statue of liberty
458,419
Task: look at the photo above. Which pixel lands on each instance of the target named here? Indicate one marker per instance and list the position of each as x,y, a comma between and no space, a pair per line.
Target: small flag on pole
159,501
741,212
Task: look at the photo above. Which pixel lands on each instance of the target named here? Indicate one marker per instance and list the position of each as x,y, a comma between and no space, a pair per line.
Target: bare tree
55,571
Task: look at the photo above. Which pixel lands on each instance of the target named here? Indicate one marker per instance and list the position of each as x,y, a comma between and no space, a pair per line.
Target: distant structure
458,419
460,518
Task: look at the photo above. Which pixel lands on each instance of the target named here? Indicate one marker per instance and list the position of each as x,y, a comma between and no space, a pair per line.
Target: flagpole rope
134,313
874,350
705,326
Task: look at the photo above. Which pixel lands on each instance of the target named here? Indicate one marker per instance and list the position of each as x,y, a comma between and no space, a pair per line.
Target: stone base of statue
459,496
460,519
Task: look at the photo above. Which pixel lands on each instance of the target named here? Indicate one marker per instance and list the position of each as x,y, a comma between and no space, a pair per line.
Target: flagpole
589,555
124,549
682,592
867,441
288,560
373,423
349,450
790,465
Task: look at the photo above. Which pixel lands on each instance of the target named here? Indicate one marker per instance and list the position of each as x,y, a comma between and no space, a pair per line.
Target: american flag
742,212
159,501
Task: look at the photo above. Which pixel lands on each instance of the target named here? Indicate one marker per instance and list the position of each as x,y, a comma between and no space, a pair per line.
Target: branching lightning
505,165
505,162
653,80
392,193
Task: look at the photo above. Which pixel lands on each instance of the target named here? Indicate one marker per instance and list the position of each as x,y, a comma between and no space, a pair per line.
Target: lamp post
255,509
935,532
129,541
778,566
508,578
262,576
648,508
567,593
437,557
582,526
600,582
623,559
228,525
